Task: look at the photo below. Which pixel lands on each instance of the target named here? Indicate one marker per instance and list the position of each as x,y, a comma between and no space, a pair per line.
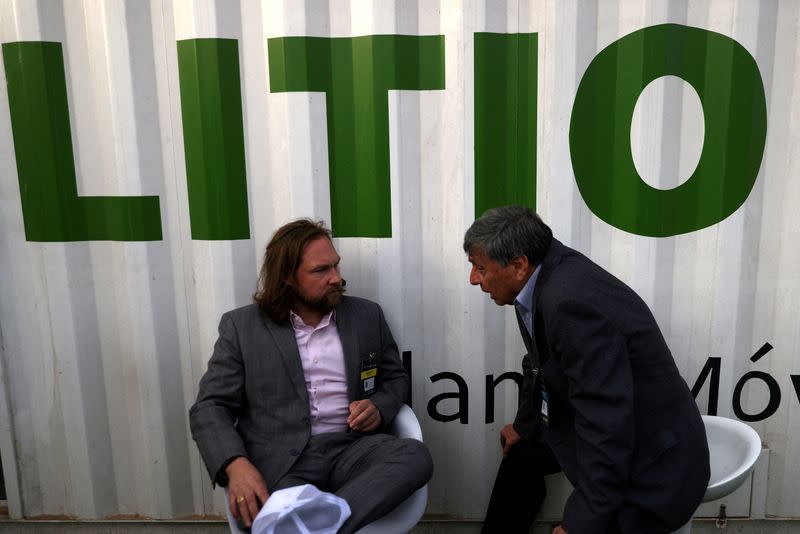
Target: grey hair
507,232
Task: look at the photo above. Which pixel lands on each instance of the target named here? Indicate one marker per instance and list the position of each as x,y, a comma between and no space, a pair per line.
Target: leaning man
301,386
602,399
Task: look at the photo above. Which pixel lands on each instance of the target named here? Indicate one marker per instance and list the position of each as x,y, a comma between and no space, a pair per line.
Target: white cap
301,510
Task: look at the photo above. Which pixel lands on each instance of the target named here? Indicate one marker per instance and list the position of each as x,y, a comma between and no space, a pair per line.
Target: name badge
369,371
545,414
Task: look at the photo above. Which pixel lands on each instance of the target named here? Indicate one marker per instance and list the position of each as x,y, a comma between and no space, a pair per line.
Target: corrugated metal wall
103,341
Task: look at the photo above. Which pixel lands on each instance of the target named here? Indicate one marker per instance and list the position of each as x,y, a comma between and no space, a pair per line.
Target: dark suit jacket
622,422
253,399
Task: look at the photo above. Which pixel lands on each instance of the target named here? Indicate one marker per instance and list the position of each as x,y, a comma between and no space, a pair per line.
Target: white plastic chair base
733,448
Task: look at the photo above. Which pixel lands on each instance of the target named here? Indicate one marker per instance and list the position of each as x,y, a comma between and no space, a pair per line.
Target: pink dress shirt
323,366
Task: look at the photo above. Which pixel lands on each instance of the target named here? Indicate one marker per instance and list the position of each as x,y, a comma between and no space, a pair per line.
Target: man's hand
559,530
364,416
247,491
508,438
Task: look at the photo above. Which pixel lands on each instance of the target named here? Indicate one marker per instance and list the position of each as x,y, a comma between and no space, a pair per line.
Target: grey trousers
373,472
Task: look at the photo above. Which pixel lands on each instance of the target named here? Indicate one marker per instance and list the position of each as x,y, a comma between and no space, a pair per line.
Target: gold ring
240,499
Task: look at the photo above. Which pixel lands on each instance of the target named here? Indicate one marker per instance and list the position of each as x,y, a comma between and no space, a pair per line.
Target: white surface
103,344
734,448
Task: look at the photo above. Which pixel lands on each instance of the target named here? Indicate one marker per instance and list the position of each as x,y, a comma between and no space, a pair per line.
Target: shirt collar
297,321
525,297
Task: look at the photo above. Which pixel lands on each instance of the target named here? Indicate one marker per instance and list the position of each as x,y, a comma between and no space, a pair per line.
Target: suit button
306,419
294,452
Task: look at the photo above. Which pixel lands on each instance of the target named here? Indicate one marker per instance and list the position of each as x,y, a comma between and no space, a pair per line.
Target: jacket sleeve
213,416
392,386
594,358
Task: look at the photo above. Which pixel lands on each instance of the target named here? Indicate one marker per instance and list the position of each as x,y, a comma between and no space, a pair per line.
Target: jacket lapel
523,331
550,261
287,345
349,337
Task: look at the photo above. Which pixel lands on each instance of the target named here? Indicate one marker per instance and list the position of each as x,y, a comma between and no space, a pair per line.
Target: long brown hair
281,259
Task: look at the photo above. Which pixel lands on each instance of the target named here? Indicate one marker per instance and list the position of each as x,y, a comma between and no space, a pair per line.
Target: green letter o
729,85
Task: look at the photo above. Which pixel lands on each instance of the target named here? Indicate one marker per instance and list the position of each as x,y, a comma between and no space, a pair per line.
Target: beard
325,303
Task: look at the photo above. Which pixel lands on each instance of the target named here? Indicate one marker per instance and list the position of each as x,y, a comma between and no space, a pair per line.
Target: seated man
299,387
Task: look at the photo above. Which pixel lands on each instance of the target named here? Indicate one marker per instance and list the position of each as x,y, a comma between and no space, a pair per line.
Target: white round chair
733,449
408,513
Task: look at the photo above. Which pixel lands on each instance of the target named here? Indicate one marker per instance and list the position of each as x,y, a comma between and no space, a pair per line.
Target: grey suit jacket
253,400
